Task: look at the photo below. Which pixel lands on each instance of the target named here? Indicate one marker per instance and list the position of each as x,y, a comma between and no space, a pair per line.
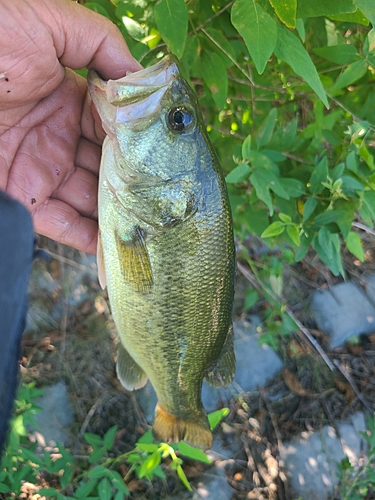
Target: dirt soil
73,339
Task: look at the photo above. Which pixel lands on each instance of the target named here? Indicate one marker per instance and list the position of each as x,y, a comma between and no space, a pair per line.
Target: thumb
85,39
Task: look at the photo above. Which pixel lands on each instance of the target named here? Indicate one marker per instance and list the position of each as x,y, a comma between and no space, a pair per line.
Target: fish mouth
136,95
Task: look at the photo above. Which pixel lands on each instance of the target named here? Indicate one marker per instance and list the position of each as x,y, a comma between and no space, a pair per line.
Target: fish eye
180,119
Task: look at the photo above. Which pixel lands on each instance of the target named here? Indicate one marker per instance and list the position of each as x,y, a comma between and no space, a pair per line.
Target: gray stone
311,459
368,283
219,451
213,484
343,312
256,364
56,415
210,485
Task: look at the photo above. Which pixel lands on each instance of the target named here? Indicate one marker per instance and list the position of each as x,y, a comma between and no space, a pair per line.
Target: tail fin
167,427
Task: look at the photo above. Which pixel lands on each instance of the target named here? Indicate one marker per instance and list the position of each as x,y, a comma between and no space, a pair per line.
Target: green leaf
258,30
104,489
192,452
309,208
183,478
291,50
150,447
93,439
134,29
85,489
146,438
286,11
48,492
261,189
273,229
300,27
215,77
354,244
365,154
97,455
328,217
368,201
339,54
351,74
274,156
118,482
149,464
334,263
97,8
67,475
318,176
171,17
215,417
109,437
309,8
269,179
369,45
18,426
30,455
349,183
97,472
265,131
246,147
285,218
367,7
292,187
119,496
293,233
238,174
225,49
4,488
324,238
251,298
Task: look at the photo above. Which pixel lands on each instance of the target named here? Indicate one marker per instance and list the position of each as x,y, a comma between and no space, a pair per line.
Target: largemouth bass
166,248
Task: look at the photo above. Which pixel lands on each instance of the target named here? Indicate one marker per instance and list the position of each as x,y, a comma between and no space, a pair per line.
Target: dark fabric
16,253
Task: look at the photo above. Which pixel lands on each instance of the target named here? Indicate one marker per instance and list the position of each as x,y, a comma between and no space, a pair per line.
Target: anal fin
129,373
135,261
222,373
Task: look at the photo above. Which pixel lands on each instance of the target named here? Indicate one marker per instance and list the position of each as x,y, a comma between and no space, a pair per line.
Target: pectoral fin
129,373
223,372
135,262
100,263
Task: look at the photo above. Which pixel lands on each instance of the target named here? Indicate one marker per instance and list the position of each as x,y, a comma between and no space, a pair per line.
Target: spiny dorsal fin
100,263
223,372
129,373
135,262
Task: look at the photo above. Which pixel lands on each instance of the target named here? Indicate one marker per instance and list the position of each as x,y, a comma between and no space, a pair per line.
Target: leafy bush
287,93
95,479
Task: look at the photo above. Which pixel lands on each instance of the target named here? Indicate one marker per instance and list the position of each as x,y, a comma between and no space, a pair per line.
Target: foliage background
286,88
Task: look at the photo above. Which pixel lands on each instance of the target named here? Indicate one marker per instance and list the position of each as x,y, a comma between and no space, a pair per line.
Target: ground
71,337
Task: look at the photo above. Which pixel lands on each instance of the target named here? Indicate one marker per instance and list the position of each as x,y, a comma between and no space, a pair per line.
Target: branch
253,280
364,228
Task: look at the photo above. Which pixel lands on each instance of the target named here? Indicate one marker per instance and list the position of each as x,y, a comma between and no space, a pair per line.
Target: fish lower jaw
170,428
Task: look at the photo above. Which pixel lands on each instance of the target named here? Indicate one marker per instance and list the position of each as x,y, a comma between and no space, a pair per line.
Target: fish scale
166,248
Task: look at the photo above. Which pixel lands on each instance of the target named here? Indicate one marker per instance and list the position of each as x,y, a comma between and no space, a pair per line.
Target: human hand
49,142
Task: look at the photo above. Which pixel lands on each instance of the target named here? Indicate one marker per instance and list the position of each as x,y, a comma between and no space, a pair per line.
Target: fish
166,247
